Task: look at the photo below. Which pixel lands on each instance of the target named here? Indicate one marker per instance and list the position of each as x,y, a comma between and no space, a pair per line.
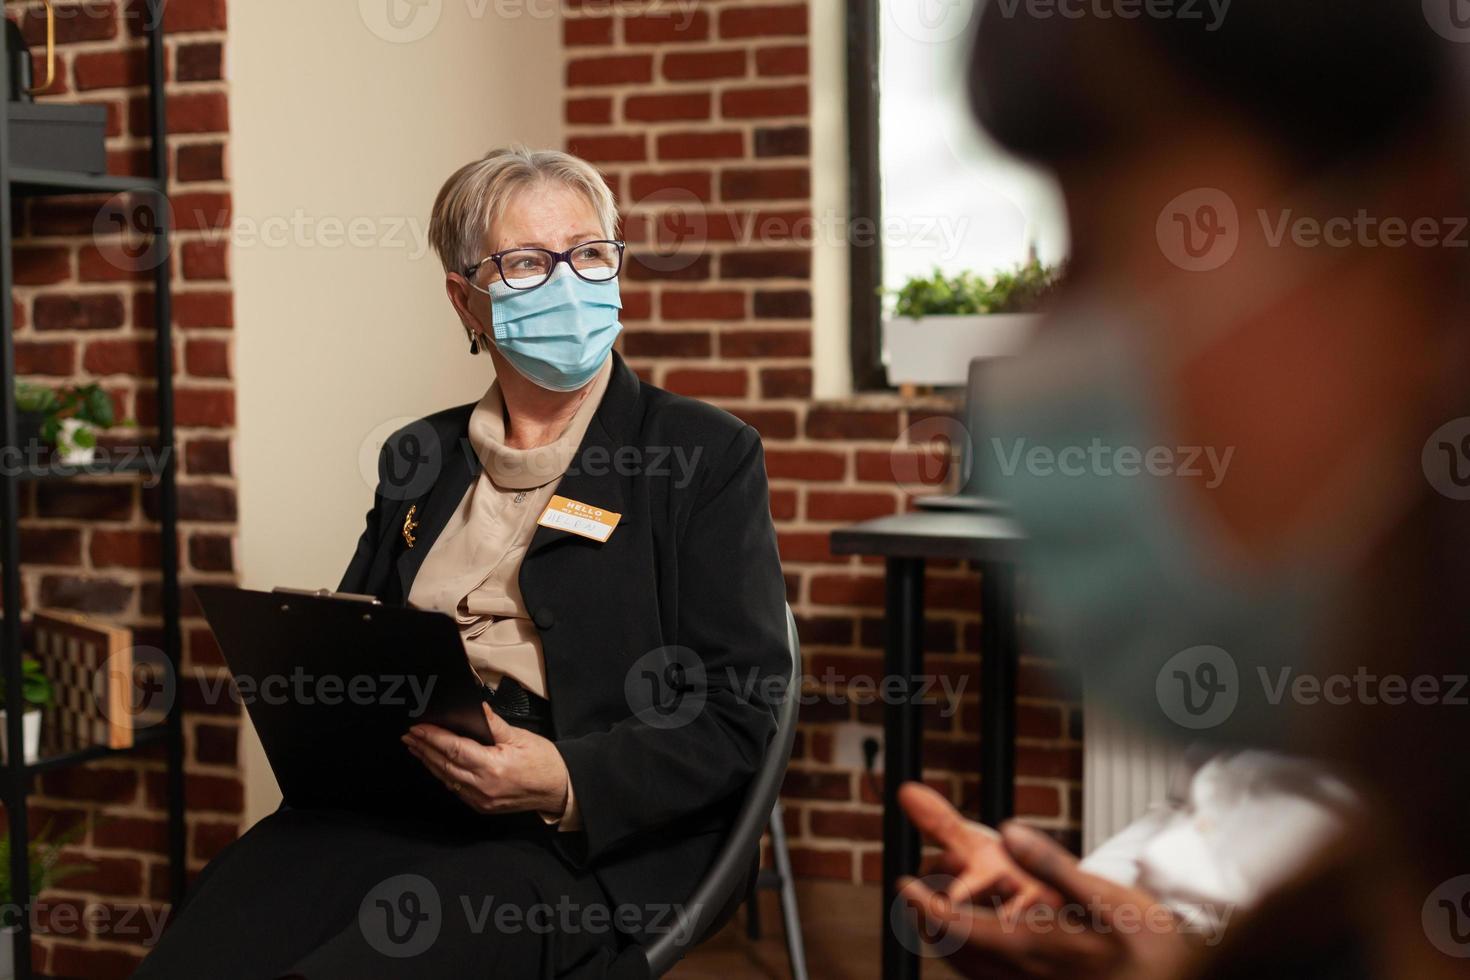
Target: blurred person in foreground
1269,265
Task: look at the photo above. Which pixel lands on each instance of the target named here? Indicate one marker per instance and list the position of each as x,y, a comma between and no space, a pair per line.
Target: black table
906,541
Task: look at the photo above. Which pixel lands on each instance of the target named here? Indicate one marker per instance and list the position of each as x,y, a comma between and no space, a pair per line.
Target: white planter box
937,350
31,734
7,952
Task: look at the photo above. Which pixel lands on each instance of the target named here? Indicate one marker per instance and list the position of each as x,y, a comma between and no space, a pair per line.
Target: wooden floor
840,923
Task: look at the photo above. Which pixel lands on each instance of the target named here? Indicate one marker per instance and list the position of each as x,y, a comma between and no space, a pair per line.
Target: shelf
135,466
141,739
28,182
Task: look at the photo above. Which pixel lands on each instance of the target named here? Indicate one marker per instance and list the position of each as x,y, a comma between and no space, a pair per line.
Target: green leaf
1022,290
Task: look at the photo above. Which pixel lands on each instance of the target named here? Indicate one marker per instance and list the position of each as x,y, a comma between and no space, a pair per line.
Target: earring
474,345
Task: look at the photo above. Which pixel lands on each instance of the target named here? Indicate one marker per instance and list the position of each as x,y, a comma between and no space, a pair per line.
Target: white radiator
1123,773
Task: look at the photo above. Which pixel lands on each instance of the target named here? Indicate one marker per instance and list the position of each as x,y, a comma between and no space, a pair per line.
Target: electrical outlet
847,746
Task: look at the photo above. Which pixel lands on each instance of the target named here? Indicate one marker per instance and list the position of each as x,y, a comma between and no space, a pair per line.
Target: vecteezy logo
1199,230
677,224
1449,18
927,451
666,687
1199,687
919,935
1446,459
1446,917
932,21
136,688
401,916
127,231
401,457
401,21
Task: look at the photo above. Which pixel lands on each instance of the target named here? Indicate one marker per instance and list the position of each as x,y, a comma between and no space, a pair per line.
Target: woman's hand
521,772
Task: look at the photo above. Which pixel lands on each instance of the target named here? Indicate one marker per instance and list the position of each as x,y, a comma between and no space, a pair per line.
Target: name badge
565,514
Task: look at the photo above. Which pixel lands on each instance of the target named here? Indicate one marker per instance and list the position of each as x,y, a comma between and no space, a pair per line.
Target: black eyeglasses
527,268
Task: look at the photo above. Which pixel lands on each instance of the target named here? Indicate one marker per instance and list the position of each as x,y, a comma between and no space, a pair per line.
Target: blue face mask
559,333
1130,579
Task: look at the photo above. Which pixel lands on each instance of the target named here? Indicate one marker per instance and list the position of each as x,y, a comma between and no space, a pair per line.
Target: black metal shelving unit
17,775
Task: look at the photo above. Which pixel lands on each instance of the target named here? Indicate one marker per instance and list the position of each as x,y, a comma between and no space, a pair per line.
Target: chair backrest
733,863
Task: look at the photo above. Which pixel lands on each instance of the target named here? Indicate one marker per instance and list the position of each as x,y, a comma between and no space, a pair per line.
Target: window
936,189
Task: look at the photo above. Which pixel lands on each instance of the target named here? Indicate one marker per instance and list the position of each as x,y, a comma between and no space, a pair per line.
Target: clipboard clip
371,600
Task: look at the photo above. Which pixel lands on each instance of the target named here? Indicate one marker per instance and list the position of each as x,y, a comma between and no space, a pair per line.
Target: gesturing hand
1047,918
983,870
521,772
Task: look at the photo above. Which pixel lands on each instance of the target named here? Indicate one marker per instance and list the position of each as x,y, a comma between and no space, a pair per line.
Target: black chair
719,894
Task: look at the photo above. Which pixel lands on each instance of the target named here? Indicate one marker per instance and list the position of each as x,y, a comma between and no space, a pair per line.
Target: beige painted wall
344,124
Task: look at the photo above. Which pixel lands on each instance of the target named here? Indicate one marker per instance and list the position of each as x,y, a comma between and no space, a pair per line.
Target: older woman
607,552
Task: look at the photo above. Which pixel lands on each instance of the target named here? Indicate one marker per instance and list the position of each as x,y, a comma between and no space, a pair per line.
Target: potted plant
33,405
36,693
940,323
68,420
46,870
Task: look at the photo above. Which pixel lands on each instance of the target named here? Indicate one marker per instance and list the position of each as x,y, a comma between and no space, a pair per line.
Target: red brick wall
698,113
92,545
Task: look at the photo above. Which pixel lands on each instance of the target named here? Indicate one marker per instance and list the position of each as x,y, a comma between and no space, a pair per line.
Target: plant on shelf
69,419
1024,289
35,688
46,869
36,693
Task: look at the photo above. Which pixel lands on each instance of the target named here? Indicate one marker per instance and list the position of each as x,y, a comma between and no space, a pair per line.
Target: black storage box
58,137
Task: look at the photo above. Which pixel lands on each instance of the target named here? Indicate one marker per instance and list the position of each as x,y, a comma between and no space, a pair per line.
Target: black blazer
690,576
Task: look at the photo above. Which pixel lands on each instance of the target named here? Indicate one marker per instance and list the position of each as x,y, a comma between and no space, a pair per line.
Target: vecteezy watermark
1201,688
945,933
37,458
301,687
1099,458
1446,459
928,451
668,688
1102,917
403,916
406,21
917,933
1363,229
1201,230
932,21
1209,14
136,688
402,458
148,15
126,231
677,228
1450,19
67,919
1445,917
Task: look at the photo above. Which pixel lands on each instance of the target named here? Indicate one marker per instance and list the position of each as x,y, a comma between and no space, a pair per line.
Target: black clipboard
332,683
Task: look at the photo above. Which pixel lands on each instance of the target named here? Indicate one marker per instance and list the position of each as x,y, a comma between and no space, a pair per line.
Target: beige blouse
472,569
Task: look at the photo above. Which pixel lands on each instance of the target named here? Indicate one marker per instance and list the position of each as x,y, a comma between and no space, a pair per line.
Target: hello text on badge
565,514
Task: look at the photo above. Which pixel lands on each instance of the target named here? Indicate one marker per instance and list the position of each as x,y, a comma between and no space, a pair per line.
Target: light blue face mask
559,333
1128,577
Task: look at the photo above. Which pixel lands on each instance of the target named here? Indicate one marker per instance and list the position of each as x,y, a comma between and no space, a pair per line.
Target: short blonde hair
472,200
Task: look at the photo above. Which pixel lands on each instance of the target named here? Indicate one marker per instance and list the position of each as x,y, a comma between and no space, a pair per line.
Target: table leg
903,730
999,654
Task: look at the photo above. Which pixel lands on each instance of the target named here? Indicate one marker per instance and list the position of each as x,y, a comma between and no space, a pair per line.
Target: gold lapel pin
410,525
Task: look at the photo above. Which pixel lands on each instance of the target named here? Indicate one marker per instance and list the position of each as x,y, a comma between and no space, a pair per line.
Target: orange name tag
565,514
